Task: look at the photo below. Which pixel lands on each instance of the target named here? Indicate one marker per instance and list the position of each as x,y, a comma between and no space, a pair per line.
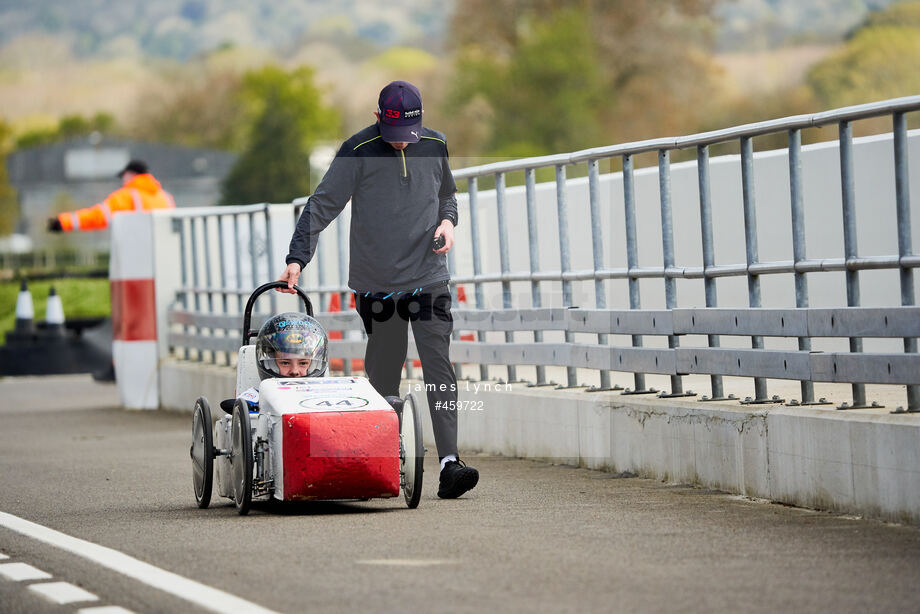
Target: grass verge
81,298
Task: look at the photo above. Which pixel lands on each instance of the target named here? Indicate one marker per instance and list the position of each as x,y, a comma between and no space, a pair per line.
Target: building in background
82,172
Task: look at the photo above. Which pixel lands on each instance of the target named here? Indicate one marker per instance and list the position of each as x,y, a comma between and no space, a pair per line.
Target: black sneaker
456,479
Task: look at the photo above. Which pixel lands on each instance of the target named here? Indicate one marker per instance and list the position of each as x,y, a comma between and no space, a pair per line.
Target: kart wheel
241,457
411,452
202,453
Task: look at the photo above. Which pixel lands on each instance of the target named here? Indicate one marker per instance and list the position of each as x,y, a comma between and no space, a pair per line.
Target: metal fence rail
801,322
841,367
851,263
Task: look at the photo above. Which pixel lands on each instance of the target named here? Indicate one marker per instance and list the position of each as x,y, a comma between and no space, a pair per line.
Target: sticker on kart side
331,381
333,403
251,395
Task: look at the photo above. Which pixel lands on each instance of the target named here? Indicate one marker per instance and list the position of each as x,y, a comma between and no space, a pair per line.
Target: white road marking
403,562
105,609
201,595
21,571
62,592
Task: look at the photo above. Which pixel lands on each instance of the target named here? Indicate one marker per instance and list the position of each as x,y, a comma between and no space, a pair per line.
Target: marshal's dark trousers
386,319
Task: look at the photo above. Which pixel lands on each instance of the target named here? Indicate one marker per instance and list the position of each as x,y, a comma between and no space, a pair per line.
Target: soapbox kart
316,438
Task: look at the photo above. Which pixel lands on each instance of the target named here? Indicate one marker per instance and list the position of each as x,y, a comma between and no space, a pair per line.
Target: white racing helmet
291,334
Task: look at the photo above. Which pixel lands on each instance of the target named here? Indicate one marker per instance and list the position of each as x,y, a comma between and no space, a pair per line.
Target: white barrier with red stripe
134,314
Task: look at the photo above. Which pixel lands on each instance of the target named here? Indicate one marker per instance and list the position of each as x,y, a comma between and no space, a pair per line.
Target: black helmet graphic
291,345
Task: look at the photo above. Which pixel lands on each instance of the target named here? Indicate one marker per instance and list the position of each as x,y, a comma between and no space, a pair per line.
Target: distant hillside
121,57
753,25
179,29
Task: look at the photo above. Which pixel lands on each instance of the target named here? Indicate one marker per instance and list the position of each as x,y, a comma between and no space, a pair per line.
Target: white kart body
280,399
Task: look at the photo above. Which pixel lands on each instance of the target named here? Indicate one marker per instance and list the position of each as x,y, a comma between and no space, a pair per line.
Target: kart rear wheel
411,452
241,457
202,453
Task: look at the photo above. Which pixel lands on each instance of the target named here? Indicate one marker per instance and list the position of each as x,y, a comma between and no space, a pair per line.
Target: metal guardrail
841,367
802,323
752,268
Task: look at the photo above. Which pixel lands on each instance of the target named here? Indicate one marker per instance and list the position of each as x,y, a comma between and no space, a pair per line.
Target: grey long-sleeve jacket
398,199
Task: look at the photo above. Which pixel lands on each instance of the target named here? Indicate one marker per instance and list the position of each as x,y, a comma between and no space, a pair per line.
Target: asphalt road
531,537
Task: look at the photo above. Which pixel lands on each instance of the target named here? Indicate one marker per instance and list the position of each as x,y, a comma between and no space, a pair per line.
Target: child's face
292,365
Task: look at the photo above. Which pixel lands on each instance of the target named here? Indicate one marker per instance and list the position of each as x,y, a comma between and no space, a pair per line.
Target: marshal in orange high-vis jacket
140,191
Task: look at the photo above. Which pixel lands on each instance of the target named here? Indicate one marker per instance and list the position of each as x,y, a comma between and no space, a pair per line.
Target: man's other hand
446,230
54,225
290,276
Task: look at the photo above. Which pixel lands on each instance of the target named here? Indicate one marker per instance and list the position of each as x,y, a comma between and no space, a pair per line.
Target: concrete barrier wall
855,462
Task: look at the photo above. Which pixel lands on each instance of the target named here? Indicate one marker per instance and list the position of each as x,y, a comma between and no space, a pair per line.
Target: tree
274,168
68,127
288,119
202,109
558,61
9,204
879,60
561,75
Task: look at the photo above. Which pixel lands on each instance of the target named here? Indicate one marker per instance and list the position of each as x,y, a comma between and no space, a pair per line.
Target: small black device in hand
438,242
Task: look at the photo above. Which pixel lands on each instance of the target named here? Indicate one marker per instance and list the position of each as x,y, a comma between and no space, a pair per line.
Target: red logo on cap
391,113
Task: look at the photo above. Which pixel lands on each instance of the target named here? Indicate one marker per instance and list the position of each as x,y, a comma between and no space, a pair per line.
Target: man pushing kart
404,210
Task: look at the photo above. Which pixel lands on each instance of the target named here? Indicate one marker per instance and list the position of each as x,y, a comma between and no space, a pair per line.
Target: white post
134,314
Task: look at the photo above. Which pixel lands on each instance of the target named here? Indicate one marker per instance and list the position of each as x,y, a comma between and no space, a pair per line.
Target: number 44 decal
327,403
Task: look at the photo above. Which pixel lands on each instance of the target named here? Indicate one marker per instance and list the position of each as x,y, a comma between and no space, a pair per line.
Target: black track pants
386,322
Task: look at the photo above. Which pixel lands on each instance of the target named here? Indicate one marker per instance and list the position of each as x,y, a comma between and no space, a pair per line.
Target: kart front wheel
241,457
202,453
411,452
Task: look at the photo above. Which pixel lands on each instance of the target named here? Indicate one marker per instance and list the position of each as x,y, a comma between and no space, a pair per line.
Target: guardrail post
319,265
902,197
597,245
473,190
253,253
272,296
667,248
343,280
193,231
530,182
632,262
848,198
750,248
564,259
503,257
237,262
207,275
709,260
319,262
452,270
798,250
179,226
223,275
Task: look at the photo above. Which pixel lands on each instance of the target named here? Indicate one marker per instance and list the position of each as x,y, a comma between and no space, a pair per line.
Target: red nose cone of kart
340,455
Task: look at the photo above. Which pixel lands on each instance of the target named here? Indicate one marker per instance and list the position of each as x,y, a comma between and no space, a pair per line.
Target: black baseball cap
134,166
400,109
